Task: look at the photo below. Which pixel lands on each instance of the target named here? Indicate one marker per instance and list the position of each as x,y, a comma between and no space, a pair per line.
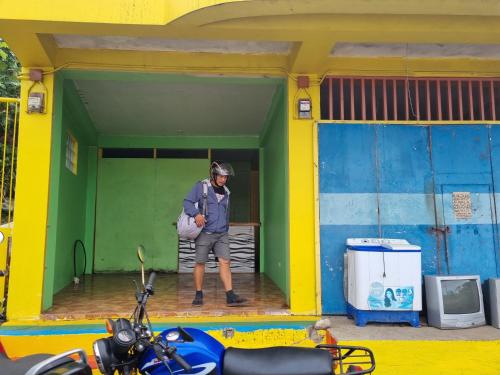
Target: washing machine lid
380,244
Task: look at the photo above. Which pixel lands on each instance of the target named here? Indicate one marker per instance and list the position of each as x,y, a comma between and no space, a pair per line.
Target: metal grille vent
410,99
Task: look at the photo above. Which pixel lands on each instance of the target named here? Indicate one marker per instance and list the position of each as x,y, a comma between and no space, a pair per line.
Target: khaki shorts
216,242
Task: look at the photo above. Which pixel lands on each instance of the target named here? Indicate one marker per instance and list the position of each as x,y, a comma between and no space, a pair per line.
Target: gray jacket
217,218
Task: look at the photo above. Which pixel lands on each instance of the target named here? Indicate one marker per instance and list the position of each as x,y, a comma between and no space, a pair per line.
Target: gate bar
428,98
440,108
481,99
352,99
374,106
471,105
342,99
384,88
5,134
330,98
492,100
394,99
14,148
450,102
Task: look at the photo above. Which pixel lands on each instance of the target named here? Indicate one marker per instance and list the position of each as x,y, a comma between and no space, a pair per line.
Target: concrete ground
402,349
345,329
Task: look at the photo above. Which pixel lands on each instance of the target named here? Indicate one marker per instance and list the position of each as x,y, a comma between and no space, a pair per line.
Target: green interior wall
274,195
138,200
240,187
68,192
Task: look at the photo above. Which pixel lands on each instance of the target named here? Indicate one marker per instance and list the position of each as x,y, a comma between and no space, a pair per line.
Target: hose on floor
76,279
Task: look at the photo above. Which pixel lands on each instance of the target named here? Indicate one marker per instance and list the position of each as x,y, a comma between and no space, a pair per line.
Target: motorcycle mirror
140,255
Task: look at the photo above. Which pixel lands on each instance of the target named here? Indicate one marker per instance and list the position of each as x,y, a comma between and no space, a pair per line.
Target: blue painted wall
396,181
462,162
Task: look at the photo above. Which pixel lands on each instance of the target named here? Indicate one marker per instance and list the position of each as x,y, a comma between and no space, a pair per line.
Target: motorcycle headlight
123,336
104,355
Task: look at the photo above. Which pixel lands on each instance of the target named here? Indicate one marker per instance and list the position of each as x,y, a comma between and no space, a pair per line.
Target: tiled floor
112,295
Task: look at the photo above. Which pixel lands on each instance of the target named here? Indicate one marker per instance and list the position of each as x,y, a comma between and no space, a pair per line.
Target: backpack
186,225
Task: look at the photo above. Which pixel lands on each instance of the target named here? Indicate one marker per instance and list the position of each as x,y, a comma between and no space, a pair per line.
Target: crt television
454,301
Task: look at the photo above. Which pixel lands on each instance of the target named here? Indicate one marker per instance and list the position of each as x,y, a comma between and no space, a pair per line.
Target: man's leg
225,273
203,244
198,273
221,249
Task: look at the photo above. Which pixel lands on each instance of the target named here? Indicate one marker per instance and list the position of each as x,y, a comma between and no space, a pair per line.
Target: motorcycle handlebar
162,350
181,361
151,281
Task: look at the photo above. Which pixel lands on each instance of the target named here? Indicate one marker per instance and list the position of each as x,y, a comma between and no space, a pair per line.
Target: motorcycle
46,364
133,347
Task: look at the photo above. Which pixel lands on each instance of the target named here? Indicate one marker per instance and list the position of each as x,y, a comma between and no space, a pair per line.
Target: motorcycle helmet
220,168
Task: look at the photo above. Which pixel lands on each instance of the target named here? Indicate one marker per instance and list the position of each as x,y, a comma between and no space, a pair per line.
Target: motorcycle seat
279,360
21,365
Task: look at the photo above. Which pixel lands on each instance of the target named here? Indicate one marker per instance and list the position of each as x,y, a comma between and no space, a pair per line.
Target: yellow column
31,205
302,231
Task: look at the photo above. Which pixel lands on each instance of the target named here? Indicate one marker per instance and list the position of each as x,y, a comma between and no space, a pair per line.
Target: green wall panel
68,192
275,195
138,200
174,178
240,186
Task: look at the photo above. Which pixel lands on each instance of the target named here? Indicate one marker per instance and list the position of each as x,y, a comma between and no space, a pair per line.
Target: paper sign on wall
462,205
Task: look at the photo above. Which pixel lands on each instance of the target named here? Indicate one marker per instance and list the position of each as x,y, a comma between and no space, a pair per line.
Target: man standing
214,235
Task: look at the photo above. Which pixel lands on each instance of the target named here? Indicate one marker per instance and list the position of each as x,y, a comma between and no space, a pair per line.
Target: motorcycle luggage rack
351,360
77,366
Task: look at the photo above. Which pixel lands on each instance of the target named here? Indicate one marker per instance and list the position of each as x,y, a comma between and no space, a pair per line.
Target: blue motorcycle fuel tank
204,354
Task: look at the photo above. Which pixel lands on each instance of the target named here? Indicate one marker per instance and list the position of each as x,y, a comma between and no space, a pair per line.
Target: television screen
460,296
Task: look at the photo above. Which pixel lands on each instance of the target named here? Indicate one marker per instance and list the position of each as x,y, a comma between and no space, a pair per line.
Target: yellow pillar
31,205
302,231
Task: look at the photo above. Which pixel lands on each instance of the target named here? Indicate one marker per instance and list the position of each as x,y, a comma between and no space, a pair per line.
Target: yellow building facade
280,39
166,74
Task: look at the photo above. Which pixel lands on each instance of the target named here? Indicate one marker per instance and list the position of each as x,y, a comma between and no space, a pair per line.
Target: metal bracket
228,333
444,230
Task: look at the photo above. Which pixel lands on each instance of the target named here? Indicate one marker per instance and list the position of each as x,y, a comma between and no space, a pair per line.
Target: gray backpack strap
227,212
205,197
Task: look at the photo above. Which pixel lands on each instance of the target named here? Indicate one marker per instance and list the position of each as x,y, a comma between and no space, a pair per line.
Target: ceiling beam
309,56
31,49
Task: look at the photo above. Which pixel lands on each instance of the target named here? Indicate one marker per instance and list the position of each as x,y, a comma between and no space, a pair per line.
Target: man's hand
199,220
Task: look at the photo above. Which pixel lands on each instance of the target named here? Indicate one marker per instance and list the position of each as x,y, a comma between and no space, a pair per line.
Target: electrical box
304,108
36,102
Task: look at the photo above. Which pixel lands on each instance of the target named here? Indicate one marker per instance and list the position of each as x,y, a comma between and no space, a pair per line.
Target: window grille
71,153
410,99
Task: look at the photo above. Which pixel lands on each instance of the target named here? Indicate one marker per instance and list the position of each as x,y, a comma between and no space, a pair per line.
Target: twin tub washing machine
383,280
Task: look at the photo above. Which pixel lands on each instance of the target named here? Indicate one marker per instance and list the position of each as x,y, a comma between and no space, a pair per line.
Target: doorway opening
142,141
